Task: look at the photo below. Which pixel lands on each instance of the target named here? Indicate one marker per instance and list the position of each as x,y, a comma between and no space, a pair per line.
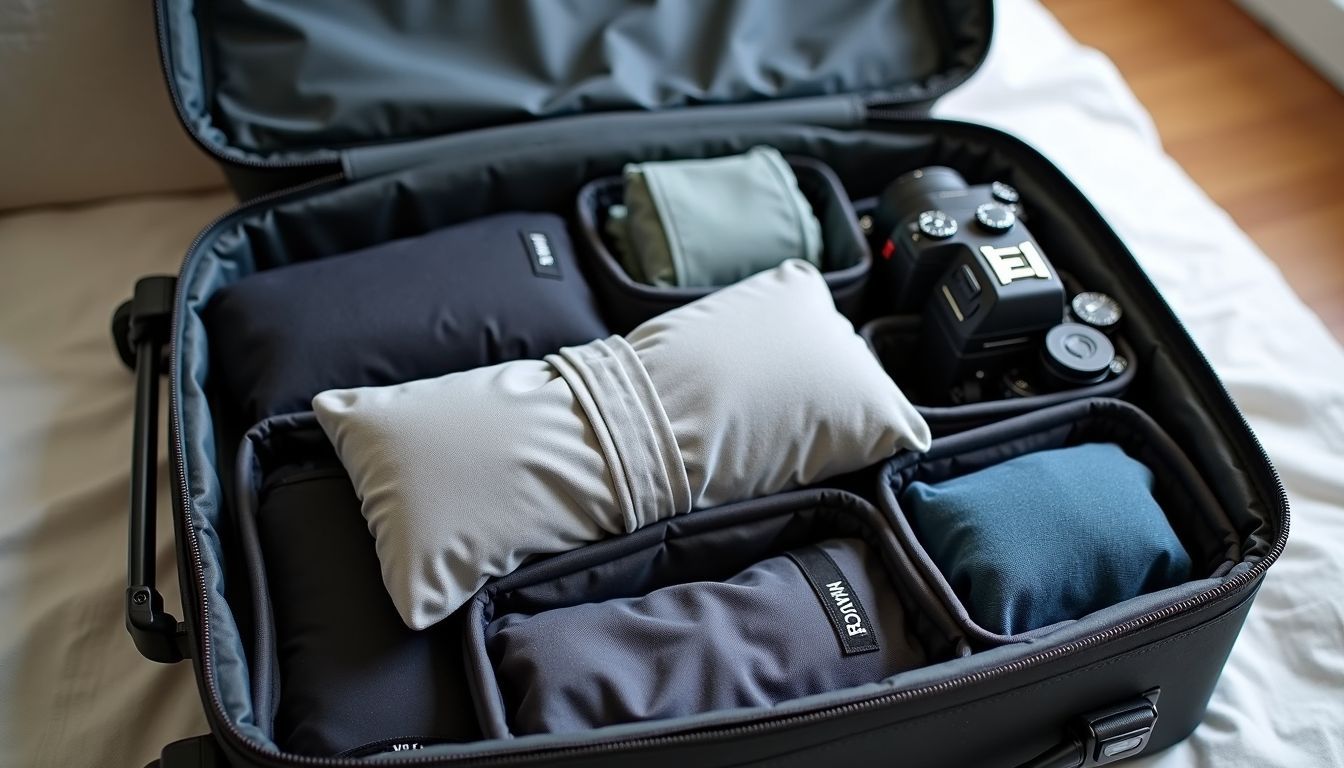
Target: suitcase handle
195,752
1104,736
140,330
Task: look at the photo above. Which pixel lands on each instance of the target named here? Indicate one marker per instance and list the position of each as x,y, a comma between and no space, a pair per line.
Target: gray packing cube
710,223
504,287
646,628
845,259
464,476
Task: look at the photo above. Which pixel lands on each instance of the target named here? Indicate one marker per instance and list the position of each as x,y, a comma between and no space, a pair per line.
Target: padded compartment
499,288
473,179
845,257
748,605
1021,536
335,671
895,341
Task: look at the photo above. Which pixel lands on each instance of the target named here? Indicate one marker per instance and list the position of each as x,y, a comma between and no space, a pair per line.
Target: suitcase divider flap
267,85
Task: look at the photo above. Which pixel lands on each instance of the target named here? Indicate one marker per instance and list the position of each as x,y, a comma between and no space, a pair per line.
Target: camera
995,323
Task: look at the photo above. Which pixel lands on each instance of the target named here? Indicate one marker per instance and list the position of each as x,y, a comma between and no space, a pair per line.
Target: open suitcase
346,125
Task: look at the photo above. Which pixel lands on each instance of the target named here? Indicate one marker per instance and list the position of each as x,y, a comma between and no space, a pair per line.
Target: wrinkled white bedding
73,691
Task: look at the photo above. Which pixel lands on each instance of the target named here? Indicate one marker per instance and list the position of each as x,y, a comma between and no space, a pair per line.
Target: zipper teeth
206,665
506,755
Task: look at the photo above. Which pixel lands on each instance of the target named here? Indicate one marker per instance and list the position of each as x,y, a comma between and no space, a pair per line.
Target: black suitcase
347,124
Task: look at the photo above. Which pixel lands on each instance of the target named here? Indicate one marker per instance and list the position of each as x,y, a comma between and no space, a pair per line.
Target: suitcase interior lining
359,214
270,79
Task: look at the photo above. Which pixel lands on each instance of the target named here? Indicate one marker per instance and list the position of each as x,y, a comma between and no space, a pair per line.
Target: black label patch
848,619
540,255
386,746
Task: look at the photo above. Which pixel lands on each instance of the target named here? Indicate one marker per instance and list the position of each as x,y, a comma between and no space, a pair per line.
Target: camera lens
1077,354
923,184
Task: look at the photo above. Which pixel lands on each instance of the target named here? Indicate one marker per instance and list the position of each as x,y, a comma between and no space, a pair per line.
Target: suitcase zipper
1228,411
166,67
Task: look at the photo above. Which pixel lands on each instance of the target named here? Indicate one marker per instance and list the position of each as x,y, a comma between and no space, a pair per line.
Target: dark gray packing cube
355,123
749,605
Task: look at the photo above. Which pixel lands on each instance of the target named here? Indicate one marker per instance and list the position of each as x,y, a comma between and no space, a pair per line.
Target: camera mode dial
995,217
937,225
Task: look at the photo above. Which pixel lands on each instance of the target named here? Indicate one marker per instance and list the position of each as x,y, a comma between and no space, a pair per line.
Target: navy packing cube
350,125
283,335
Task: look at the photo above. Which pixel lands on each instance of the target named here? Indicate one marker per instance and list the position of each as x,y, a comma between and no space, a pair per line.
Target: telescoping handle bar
140,330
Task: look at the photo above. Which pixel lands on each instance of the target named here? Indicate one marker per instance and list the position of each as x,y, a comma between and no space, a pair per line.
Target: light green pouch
709,223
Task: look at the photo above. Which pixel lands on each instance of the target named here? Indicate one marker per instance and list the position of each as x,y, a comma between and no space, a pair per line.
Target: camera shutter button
995,217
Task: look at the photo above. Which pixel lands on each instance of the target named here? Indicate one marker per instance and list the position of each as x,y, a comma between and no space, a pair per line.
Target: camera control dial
1097,310
937,225
1004,193
995,217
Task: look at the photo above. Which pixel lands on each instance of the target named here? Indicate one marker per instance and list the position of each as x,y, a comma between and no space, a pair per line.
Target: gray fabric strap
647,472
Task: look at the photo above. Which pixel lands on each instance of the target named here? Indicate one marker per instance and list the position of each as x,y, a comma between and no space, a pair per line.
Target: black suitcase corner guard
140,330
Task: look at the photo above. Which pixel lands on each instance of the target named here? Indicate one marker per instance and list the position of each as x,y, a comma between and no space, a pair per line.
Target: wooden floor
1258,129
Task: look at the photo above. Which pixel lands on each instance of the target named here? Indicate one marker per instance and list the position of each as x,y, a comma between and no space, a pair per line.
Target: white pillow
757,388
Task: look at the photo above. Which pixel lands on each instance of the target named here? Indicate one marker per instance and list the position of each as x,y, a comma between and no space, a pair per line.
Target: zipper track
166,68
1162,313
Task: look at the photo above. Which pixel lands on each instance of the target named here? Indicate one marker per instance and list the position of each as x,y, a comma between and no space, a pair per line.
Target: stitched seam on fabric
773,161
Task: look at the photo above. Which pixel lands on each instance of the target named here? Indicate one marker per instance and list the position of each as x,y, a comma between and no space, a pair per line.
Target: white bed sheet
74,692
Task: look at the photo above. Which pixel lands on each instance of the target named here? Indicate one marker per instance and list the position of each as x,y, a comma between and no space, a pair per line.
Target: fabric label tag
539,254
848,619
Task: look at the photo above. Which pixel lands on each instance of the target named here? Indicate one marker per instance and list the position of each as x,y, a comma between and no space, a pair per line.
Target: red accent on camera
887,249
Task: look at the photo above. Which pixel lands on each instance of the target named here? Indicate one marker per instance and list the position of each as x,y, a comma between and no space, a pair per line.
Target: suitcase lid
289,84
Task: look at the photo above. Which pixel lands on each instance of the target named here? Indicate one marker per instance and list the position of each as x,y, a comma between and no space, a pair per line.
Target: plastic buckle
1118,732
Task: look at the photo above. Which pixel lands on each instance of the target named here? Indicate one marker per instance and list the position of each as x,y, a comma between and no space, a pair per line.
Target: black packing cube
505,287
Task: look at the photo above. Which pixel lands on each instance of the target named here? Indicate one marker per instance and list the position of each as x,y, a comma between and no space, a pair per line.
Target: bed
73,690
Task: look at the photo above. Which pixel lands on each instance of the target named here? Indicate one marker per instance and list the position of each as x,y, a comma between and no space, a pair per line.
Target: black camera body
961,256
